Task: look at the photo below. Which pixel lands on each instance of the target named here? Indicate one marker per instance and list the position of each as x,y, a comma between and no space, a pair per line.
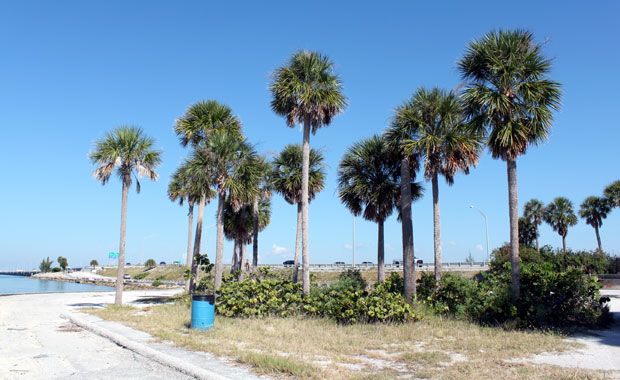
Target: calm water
19,284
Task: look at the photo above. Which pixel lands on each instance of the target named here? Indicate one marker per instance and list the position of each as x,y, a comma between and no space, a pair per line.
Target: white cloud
479,247
451,243
276,250
357,245
348,246
389,247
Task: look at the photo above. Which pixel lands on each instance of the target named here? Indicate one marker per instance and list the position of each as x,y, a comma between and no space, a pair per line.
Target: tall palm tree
509,94
305,90
235,174
180,189
594,210
203,119
439,134
559,215
130,152
199,122
533,211
285,178
239,227
199,169
399,132
369,185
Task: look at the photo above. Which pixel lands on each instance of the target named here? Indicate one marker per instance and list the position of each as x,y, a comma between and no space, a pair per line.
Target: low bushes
548,298
345,301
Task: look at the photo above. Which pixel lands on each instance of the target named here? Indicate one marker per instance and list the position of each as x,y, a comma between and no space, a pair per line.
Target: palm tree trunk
513,208
188,261
564,243
407,231
297,241
304,208
598,240
436,228
242,260
235,257
255,238
380,254
118,300
537,247
197,241
219,242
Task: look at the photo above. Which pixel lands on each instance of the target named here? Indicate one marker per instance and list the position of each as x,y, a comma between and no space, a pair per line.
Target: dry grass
307,348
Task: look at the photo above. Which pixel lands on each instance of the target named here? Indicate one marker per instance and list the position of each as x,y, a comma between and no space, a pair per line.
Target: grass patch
310,348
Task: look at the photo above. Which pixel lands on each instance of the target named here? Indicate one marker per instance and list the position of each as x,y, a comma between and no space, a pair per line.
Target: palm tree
559,215
182,190
399,132
612,193
305,90
128,150
438,133
285,178
509,94
594,210
528,232
533,211
203,119
369,185
236,175
239,227
200,121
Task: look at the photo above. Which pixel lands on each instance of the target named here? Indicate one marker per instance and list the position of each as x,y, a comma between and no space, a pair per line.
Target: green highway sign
113,255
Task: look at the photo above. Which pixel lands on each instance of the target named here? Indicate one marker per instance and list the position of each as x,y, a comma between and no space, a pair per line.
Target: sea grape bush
346,301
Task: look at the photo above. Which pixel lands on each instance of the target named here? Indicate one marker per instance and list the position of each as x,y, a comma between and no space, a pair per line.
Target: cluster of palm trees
560,214
505,103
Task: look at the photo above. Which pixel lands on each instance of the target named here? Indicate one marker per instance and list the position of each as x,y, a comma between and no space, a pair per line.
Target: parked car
289,263
126,276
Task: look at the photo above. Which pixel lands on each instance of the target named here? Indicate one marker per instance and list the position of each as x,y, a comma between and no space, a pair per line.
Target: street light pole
353,241
486,226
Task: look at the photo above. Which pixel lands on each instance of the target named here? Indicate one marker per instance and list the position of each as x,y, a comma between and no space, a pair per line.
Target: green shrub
426,286
157,283
259,298
54,270
351,278
140,276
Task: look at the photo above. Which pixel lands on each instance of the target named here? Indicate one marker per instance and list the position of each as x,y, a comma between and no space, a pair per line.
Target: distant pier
25,273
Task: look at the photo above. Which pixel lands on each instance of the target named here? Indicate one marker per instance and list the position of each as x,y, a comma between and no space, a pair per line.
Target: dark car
419,262
162,263
339,263
367,263
289,263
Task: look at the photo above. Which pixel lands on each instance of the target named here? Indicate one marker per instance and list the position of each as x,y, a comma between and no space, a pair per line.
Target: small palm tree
509,94
369,185
533,211
559,215
439,135
182,189
239,227
594,210
150,263
264,193
528,232
305,90
285,178
236,176
128,151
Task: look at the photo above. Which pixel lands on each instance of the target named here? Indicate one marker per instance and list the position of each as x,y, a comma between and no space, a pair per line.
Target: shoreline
97,279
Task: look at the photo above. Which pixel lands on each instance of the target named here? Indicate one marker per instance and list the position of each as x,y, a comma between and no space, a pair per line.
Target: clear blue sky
73,70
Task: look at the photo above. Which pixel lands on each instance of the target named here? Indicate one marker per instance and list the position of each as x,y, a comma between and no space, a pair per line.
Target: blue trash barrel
203,311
